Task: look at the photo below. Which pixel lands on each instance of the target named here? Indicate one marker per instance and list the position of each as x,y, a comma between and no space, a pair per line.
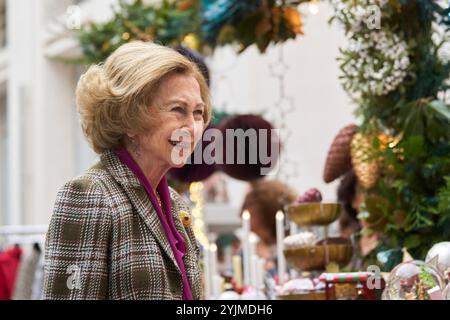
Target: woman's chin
178,165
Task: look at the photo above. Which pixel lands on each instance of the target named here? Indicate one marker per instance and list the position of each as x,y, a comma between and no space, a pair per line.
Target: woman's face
178,111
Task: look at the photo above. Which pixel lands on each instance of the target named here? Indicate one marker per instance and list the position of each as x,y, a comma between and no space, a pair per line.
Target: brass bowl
306,258
315,295
338,253
313,213
318,256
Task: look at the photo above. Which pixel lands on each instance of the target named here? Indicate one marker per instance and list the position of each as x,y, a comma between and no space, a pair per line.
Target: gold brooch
186,218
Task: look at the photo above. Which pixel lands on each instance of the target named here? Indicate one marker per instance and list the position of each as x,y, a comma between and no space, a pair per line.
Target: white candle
213,257
253,261
228,259
217,286
246,246
237,271
261,271
280,256
254,271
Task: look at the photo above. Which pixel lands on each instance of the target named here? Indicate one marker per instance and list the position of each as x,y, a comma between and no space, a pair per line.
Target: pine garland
202,25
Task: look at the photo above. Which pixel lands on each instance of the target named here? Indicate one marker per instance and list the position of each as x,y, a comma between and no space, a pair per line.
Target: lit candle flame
279,215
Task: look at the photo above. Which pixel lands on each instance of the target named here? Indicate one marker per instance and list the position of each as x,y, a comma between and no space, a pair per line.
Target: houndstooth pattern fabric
105,240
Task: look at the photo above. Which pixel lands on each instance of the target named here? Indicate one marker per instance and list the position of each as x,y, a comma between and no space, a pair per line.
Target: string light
314,7
279,114
196,196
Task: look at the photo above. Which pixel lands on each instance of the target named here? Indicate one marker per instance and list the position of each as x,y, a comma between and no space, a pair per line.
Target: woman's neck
153,169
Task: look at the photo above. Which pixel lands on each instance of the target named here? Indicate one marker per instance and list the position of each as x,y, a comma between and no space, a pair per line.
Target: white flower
365,72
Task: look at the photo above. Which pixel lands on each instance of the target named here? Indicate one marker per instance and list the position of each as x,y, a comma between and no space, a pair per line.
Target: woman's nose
195,128
190,124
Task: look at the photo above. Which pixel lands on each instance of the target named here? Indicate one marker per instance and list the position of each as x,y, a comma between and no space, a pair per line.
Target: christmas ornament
446,293
250,166
193,171
415,280
366,167
312,195
440,250
192,41
229,295
338,160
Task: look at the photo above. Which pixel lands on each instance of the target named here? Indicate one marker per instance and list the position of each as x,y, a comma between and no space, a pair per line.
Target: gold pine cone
366,167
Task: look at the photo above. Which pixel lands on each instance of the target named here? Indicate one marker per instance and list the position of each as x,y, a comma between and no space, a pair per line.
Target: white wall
41,128
2,151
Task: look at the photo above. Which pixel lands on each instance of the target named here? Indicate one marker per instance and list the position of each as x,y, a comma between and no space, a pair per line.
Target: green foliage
416,167
241,23
167,24
244,23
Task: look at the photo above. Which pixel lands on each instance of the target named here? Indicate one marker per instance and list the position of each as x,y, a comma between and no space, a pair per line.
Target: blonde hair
114,98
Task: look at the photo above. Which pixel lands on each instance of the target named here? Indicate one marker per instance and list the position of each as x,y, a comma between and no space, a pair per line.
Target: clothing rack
23,229
24,234
25,277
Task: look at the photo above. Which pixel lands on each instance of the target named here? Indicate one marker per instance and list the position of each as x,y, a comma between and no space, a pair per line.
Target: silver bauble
441,253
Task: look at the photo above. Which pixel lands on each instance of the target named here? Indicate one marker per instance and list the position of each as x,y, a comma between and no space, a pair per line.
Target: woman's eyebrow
184,103
172,101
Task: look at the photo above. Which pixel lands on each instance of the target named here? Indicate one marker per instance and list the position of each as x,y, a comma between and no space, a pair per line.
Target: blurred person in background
350,221
264,199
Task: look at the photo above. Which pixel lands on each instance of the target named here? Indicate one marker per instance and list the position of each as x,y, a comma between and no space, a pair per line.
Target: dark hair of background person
197,58
263,200
346,194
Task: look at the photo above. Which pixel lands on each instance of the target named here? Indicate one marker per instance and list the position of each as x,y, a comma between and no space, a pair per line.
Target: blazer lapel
138,197
190,259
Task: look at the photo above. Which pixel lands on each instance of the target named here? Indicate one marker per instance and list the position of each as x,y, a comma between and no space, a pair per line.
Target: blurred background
41,141
359,91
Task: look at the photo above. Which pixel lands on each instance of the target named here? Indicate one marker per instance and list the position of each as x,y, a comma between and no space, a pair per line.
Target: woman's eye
178,109
198,112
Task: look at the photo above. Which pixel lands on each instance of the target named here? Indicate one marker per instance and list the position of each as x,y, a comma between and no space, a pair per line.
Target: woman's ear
131,135
129,139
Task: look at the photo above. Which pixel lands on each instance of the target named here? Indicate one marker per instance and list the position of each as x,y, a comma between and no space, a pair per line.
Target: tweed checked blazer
105,240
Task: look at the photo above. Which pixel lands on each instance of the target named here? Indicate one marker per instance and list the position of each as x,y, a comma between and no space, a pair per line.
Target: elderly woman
118,231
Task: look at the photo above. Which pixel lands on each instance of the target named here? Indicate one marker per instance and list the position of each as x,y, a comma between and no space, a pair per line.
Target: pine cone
338,159
366,168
